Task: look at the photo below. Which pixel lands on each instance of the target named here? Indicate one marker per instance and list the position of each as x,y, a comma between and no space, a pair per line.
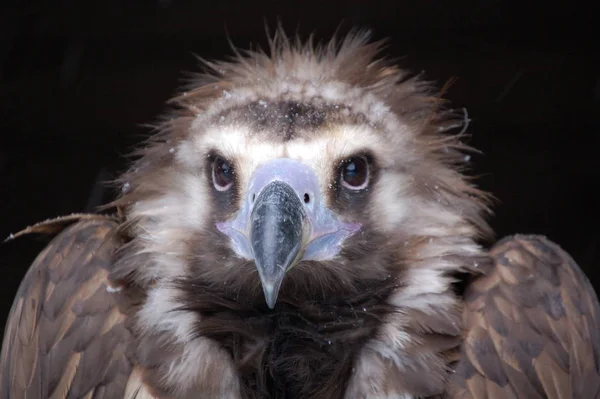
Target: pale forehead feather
347,72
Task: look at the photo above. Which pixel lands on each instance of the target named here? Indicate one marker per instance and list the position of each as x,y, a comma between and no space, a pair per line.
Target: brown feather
532,327
65,335
54,225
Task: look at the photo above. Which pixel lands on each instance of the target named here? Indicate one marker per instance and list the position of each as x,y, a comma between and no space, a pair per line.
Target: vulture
300,224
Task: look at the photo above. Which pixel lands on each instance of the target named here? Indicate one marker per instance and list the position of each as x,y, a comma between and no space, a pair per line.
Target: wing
533,327
65,336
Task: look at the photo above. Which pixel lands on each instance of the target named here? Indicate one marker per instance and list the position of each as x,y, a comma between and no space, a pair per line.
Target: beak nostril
253,197
306,198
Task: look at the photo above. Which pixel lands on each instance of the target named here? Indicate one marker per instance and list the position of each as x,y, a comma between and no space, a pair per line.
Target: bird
301,223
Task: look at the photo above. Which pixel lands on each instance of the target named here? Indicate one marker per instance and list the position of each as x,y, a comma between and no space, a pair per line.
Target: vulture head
309,199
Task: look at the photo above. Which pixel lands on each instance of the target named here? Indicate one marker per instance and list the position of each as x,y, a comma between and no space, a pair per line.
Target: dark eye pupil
225,168
222,174
355,172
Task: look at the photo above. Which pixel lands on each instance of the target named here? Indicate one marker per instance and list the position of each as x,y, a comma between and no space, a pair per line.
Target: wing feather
65,336
136,388
533,327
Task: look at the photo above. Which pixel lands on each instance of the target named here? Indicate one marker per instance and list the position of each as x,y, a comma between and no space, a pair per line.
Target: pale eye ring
355,173
222,174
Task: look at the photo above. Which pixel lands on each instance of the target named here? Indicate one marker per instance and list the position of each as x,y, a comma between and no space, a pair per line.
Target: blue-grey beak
276,232
283,221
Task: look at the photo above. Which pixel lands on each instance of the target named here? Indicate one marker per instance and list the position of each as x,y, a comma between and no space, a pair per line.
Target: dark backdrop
79,78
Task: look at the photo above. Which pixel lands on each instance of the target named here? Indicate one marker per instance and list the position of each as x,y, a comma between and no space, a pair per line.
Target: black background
78,79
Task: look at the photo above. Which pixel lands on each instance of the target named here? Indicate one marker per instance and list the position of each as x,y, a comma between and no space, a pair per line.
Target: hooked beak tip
271,292
276,234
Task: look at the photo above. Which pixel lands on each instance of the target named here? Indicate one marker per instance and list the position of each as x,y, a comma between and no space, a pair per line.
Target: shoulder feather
533,327
65,336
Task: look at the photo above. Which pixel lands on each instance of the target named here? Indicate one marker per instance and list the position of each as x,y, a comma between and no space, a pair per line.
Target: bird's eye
222,174
355,173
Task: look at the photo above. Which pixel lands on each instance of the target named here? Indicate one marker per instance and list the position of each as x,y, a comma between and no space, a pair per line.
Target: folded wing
65,336
533,327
